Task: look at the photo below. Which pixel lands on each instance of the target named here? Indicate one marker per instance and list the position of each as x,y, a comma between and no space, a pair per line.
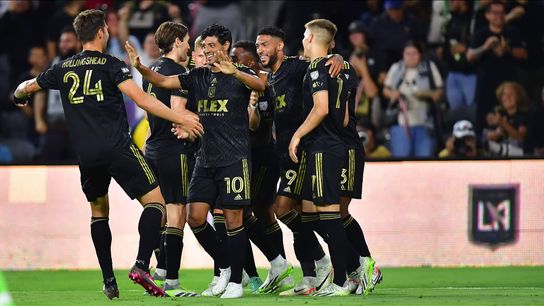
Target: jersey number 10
87,91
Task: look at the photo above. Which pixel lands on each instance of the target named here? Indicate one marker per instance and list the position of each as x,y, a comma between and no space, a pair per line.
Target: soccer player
265,167
324,100
222,170
286,79
171,159
198,59
91,84
368,275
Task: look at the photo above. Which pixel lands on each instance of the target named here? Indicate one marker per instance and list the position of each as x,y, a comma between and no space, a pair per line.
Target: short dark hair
221,32
272,31
248,46
414,44
494,2
68,29
166,35
87,24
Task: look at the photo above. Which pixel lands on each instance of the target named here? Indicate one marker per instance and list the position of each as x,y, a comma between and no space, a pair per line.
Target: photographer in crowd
462,143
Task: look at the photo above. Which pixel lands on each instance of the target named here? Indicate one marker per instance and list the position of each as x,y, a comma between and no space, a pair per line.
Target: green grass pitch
401,286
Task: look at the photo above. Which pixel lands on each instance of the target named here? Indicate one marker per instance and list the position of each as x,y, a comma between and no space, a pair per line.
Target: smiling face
198,56
241,56
267,49
211,46
509,99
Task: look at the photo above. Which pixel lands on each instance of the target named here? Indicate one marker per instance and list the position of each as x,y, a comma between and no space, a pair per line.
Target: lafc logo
212,106
280,102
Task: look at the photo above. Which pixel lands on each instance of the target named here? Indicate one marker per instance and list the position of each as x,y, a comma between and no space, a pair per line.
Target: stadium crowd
457,78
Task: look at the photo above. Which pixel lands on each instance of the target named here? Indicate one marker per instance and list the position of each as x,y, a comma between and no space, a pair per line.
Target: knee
282,207
195,220
176,218
100,208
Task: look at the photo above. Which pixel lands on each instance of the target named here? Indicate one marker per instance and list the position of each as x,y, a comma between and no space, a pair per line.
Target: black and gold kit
171,159
324,147
222,170
287,84
264,158
352,171
96,116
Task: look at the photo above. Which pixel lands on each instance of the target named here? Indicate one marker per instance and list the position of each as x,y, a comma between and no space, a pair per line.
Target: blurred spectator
119,34
507,125
439,19
495,49
480,21
369,66
413,86
19,33
49,116
461,80
59,21
393,29
226,13
463,142
373,9
146,16
373,149
151,50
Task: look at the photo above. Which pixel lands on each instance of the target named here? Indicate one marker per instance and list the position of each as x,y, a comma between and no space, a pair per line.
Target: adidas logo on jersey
287,189
238,198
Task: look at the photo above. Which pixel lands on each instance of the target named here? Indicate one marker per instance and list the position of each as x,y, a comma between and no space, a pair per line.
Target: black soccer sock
338,243
149,229
312,221
352,263
355,236
101,235
249,264
237,243
205,235
275,236
174,247
221,238
256,233
160,252
302,243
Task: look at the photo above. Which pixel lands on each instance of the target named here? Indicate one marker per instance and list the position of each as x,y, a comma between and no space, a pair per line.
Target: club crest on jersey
314,75
211,92
125,70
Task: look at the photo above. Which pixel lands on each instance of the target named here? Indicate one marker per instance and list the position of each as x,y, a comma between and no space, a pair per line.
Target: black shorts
322,177
291,177
127,166
223,187
352,173
174,173
264,177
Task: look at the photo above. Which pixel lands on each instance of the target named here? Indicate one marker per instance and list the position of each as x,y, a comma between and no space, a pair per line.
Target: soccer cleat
377,278
111,290
286,284
177,291
367,264
333,290
159,280
324,273
254,283
209,290
233,291
275,275
305,287
245,278
222,281
144,279
354,280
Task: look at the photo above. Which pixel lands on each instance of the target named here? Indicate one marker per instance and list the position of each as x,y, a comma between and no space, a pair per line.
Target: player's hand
133,55
19,102
293,145
224,63
188,127
491,42
253,98
336,63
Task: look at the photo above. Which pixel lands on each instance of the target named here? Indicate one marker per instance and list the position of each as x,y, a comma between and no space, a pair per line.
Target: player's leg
221,258
250,277
95,182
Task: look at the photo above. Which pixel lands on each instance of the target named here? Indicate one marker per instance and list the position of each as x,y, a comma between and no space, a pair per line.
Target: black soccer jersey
263,137
328,134
350,136
222,103
287,84
162,142
93,105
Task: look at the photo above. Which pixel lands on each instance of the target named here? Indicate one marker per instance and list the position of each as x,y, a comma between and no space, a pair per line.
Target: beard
68,53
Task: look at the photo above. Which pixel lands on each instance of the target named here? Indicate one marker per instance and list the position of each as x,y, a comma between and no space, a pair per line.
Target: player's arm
24,90
150,104
155,78
317,114
346,114
224,63
39,113
253,112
